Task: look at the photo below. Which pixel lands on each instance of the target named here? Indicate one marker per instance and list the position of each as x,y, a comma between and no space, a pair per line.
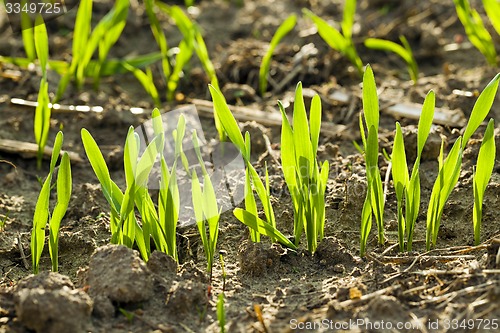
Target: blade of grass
413,192
41,122
64,185
282,31
481,108
228,122
262,227
404,52
492,8
484,168
400,178
475,30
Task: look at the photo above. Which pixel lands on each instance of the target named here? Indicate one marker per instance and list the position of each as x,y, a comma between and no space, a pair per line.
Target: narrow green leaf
366,222
348,18
42,120
481,108
99,166
315,122
390,46
251,205
197,198
56,150
399,167
130,157
484,168
492,8
221,313
27,34
370,99
228,122
146,81
282,31
146,162
425,121
287,155
40,219
41,43
329,34
64,186
262,227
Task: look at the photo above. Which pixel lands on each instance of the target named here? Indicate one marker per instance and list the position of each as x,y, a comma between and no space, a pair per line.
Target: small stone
339,268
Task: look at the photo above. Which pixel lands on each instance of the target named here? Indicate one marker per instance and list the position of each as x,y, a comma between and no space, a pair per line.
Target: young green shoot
87,41
282,31
305,179
27,34
147,81
42,213
404,52
412,204
484,168
205,208
192,42
42,111
449,169
248,216
400,178
159,225
476,31
221,313
492,8
341,42
374,201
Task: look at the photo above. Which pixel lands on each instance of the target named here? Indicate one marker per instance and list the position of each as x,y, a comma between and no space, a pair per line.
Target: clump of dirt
119,274
49,303
257,259
333,254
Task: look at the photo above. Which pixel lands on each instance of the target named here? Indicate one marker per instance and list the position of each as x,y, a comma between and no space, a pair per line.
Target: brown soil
110,289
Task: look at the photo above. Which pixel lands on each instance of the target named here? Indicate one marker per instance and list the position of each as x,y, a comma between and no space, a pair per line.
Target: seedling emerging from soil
412,194
305,179
86,41
406,187
341,42
42,214
475,30
205,208
221,313
374,201
449,169
282,31
159,225
192,42
401,179
27,34
42,111
147,81
248,216
404,52
492,8
484,167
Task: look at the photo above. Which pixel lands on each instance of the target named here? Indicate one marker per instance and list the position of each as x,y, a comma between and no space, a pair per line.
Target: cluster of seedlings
91,47
155,225
305,177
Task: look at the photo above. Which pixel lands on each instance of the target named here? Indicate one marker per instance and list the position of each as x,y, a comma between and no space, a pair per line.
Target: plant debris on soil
108,288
